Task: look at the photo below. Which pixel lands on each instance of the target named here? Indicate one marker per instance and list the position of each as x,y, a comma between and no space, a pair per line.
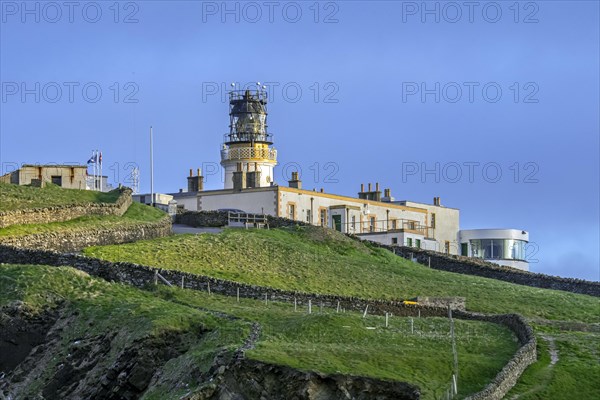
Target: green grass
312,259
345,343
15,197
327,342
135,214
98,307
577,371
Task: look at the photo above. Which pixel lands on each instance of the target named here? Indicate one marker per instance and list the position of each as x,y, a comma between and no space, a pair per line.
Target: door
337,222
464,249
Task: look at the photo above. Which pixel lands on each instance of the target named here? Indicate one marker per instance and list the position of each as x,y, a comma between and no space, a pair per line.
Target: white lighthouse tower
247,155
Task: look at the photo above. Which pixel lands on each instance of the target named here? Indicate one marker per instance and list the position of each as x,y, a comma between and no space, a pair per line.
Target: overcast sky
493,106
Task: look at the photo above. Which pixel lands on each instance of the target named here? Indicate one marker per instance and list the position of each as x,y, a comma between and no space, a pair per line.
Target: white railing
242,153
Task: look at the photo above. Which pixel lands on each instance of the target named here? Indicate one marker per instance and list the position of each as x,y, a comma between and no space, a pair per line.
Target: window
497,249
433,220
56,180
291,211
394,224
323,216
447,247
372,224
354,222
418,243
394,240
308,216
411,225
409,242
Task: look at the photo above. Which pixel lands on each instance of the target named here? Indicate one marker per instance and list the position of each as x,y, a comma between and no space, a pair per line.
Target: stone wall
524,357
472,266
66,212
76,240
216,219
142,276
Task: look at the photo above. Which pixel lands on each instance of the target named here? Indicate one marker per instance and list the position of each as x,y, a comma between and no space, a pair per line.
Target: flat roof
424,204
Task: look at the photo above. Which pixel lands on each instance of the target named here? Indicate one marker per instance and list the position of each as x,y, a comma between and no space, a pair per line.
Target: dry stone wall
66,212
471,266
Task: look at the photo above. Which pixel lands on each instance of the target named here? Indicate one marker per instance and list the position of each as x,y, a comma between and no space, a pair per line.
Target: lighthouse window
291,211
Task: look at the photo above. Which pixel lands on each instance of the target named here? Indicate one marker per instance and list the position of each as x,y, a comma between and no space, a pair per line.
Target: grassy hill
317,260
326,342
15,197
312,259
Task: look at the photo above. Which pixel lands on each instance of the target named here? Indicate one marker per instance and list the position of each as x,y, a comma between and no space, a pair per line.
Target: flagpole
100,164
151,170
95,169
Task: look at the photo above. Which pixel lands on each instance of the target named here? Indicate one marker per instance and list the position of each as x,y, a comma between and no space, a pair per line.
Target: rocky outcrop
67,212
250,379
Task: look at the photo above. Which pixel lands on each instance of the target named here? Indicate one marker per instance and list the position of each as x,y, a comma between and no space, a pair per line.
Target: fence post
310,306
238,294
295,304
182,281
321,308
156,277
429,261
208,287
386,319
266,299
412,326
338,306
365,313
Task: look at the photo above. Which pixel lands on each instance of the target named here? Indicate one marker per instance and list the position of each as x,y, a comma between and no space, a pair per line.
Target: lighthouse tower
247,155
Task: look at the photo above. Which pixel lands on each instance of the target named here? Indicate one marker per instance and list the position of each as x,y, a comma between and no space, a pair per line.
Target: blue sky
494,106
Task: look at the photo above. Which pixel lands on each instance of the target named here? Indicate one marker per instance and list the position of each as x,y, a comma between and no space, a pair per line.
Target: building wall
72,177
402,239
362,210
446,225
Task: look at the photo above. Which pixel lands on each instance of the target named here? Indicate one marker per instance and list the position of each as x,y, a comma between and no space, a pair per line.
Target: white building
249,158
501,246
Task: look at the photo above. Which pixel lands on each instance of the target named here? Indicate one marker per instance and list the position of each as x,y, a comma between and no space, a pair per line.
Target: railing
247,220
247,137
242,153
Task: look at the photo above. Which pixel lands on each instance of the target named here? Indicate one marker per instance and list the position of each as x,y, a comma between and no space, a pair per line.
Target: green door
337,222
464,249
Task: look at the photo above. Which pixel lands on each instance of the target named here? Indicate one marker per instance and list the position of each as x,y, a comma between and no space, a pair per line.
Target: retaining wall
76,240
66,212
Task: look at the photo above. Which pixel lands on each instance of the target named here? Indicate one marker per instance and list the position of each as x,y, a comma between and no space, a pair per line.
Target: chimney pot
322,191
362,187
377,186
191,173
198,171
369,186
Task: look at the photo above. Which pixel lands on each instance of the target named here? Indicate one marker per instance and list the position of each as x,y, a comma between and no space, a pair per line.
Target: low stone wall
76,240
66,212
524,357
142,276
471,266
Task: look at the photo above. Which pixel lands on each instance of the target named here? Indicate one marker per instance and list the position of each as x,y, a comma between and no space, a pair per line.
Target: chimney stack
362,187
195,183
295,182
